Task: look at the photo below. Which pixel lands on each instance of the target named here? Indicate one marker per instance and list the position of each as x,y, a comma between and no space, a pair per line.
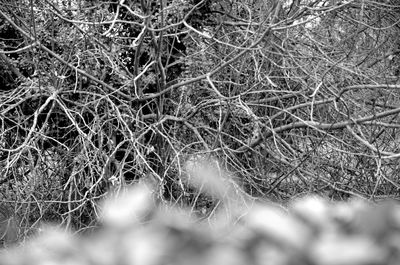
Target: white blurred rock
313,210
278,226
333,249
130,208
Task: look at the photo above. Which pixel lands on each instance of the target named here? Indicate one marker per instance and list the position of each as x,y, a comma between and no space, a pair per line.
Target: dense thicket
283,97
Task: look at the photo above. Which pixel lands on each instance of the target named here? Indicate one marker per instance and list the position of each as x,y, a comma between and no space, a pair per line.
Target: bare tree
287,97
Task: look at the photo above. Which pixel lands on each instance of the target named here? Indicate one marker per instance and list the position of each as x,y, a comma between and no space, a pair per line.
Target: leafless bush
289,97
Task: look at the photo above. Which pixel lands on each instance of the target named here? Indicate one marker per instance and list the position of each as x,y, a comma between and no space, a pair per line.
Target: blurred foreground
310,231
